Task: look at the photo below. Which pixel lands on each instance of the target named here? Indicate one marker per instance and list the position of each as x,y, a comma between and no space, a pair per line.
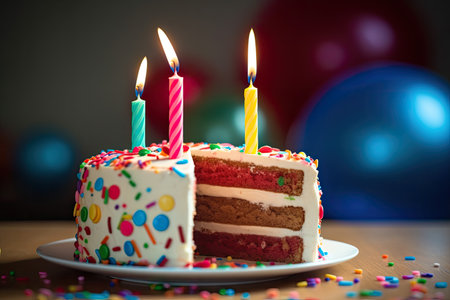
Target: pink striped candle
175,99
176,116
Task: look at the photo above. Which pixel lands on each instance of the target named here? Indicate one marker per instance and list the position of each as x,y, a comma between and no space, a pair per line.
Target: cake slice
135,208
263,207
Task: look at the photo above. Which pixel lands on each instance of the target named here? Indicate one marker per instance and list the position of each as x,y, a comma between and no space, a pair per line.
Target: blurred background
360,85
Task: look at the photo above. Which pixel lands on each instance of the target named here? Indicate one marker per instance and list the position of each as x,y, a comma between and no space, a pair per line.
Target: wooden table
429,242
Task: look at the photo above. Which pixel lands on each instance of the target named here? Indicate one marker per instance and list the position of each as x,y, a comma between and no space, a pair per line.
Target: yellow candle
251,100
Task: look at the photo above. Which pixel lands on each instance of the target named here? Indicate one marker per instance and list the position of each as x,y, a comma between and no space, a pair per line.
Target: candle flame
251,57
169,51
140,82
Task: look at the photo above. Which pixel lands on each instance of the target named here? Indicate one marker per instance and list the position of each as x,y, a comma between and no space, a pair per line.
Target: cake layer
249,246
242,212
216,171
309,238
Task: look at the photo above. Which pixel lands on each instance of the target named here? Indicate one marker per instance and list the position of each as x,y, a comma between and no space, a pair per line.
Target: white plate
61,252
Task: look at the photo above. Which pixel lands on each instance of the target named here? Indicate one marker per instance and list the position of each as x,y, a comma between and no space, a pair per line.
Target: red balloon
303,44
156,92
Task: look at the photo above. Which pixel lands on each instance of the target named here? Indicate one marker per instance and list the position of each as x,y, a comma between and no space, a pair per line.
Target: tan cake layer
242,212
216,171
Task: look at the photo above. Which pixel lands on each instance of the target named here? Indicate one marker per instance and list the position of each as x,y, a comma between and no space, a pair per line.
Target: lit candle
175,99
251,100
138,109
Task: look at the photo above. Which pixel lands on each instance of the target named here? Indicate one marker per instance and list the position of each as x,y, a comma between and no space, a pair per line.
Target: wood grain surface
429,242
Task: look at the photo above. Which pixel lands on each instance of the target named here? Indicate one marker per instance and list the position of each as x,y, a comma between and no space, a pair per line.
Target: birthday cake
139,207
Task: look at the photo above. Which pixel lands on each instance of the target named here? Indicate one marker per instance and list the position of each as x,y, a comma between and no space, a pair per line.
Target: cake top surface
265,152
156,156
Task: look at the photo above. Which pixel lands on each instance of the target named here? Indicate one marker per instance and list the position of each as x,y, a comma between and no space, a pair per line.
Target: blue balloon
45,160
382,136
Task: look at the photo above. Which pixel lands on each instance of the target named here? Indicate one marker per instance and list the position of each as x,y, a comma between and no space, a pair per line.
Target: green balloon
220,118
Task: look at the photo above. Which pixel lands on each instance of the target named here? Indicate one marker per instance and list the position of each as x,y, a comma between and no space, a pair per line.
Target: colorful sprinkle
214,146
98,185
126,174
345,283
126,228
114,192
358,271
351,294
441,285
390,264
104,251
168,243
162,261
330,276
144,152
166,202
178,172
136,248
95,213
421,280
281,181
149,233
84,214
302,284
105,240
139,217
128,248
180,232
182,162
106,195
150,204
384,256
410,258
161,222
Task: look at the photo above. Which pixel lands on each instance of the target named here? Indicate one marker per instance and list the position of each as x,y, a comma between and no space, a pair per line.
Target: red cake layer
215,171
249,246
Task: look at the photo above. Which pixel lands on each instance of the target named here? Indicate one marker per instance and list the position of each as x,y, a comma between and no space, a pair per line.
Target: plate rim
100,268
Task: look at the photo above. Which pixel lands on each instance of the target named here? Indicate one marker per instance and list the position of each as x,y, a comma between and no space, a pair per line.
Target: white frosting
162,181
308,200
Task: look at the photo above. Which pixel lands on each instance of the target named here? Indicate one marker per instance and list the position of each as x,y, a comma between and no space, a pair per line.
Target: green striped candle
138,110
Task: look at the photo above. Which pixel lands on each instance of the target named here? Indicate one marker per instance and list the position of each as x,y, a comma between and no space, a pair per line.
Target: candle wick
139,90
